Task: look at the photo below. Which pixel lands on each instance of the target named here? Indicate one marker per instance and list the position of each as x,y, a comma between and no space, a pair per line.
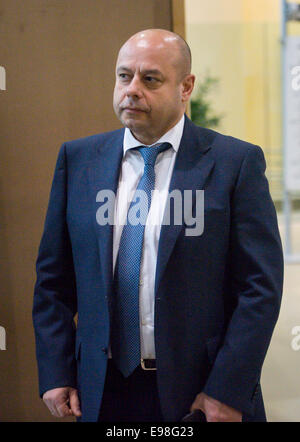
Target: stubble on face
141,107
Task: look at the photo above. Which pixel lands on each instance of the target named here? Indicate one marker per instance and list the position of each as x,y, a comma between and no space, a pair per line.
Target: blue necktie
125,336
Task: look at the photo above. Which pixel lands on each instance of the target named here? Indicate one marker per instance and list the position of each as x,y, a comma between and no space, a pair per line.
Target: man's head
153,83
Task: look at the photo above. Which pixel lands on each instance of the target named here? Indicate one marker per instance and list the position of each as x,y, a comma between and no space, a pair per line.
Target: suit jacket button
104,349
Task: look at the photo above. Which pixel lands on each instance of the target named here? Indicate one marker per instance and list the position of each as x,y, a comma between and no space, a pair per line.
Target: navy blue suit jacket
217,295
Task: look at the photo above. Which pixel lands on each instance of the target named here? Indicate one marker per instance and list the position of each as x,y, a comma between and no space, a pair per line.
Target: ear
187,87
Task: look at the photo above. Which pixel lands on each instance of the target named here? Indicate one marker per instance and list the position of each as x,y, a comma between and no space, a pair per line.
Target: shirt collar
173,136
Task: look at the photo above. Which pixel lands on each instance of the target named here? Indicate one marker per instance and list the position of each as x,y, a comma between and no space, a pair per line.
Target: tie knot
149,154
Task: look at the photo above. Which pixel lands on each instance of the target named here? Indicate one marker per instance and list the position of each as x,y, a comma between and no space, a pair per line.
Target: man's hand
62,402
214,410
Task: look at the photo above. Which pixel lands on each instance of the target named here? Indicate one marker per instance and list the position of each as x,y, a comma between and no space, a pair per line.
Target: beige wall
238,41
59,58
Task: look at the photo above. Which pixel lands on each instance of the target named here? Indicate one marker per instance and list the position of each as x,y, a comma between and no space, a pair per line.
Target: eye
152,82
123,76
150,79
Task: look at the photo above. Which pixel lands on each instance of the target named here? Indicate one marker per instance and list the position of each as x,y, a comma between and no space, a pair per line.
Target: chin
132,124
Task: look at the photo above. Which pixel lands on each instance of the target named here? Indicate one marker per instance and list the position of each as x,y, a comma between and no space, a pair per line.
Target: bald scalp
182,59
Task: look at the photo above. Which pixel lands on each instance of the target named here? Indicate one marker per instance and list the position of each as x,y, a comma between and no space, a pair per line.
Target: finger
50,407
74,403
63,410
61,405
198,403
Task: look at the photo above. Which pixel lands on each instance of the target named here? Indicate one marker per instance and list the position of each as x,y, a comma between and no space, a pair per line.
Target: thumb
74,402
198,403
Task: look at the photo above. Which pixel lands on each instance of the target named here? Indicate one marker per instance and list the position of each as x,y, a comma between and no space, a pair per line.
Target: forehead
143,55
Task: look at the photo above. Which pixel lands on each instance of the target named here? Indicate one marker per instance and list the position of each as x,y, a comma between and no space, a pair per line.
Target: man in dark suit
170,320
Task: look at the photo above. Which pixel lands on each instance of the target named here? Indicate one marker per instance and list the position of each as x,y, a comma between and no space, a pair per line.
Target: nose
134,88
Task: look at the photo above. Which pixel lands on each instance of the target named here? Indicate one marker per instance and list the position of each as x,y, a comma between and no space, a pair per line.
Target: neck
149,139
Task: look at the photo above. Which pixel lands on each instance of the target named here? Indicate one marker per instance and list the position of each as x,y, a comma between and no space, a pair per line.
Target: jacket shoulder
225,143
86,147
225,149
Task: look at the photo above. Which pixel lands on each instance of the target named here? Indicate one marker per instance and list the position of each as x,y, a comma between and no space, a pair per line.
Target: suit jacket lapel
191,169
104,175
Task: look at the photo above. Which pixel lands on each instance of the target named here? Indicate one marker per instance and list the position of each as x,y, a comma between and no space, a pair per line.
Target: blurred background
57,62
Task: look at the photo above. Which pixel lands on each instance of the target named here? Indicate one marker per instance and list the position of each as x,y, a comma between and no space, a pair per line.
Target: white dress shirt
132,169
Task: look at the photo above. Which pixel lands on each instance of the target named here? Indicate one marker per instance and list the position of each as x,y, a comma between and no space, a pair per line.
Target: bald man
177,290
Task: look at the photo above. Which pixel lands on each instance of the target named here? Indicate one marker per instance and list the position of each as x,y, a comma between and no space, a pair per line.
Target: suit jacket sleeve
256,275
54,303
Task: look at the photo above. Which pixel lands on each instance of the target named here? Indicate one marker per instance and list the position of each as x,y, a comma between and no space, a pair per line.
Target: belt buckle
144,366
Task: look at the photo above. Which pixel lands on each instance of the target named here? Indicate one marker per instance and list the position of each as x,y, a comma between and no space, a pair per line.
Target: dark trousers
132,399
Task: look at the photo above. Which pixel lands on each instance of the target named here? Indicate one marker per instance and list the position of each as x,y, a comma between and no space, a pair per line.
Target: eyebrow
153,72
123,68
146,72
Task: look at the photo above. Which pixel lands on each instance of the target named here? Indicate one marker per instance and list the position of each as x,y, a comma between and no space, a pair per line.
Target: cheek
164,105
116,93
117,98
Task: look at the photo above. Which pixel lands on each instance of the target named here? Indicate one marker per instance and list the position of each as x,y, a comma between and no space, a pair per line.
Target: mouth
133,110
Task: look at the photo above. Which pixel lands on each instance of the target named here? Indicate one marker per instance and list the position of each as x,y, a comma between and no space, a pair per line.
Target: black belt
148,364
